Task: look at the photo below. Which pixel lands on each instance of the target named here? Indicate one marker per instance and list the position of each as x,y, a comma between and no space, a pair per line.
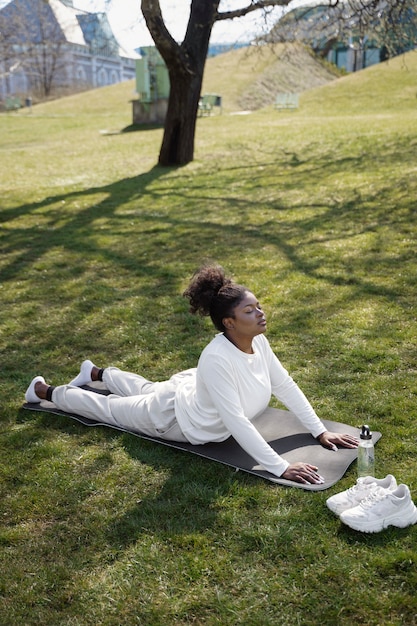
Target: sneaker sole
378,525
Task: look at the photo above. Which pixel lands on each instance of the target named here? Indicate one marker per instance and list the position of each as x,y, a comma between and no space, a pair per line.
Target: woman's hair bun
211,292
204,286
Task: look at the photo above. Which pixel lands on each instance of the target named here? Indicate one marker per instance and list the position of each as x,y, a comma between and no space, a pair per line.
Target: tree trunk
185,65
180,123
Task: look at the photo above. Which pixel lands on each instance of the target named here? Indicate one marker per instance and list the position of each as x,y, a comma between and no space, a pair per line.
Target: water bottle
366,453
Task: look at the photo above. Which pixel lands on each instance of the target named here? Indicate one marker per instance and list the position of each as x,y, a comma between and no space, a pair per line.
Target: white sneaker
30,395
364,486
84,376
381,509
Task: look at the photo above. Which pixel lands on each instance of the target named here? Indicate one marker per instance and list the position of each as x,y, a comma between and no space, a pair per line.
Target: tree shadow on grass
169,242
66,229
186,500
134,128
197,196
74,231
153,229
183,503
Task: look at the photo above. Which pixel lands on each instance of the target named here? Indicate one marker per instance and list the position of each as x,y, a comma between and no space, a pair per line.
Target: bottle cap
365,432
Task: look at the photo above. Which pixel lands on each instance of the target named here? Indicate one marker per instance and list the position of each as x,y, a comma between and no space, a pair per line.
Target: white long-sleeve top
230,388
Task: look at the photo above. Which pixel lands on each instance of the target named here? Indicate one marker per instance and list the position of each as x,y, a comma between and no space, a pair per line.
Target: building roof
77,27
66,17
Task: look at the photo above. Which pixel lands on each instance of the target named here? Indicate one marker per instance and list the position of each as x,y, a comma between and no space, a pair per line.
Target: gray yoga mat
280,428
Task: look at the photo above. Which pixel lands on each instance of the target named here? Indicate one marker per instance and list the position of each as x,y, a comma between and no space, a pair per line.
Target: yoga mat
281,429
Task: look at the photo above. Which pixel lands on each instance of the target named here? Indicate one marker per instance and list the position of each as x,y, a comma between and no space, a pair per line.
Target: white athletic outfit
219,398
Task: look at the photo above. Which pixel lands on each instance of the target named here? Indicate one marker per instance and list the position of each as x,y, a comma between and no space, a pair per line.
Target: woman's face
248,317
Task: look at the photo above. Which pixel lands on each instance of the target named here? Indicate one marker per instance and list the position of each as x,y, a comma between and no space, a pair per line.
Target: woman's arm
288,392
222,387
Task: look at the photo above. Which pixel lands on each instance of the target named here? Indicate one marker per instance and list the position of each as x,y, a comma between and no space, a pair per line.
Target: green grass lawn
315,211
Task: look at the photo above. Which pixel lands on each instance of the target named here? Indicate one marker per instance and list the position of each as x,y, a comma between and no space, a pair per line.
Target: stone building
52,47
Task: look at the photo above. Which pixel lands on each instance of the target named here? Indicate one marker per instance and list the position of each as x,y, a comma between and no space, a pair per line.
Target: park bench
12,103
207,103
286,101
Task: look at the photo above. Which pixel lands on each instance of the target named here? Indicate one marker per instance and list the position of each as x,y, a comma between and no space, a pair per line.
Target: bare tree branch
255,5
391,24
163,39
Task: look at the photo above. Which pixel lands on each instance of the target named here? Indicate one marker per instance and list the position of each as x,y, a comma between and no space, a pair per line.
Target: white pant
134,403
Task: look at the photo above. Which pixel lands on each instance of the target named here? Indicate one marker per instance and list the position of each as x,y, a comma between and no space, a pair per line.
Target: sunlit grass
315,211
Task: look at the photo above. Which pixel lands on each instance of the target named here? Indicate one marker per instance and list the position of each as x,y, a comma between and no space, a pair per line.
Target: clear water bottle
366,453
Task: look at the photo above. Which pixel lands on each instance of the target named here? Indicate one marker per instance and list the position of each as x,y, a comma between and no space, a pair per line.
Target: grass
314,210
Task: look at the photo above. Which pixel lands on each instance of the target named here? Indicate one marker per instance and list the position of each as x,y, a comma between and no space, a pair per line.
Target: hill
250,78
389,87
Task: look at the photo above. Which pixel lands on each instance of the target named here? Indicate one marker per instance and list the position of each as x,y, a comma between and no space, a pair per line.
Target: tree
31,39
186,61
47,46
391,26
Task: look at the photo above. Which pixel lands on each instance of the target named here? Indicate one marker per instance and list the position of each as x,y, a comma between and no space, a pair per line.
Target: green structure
152,79
152,87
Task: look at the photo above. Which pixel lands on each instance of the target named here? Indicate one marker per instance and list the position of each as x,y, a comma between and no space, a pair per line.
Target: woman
236,374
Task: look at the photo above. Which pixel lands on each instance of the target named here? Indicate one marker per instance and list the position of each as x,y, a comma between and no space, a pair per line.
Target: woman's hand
303,473
332,440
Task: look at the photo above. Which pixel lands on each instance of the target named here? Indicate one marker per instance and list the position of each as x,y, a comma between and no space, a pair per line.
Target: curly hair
212,293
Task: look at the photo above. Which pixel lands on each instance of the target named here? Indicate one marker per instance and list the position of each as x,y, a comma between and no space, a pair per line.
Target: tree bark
180,123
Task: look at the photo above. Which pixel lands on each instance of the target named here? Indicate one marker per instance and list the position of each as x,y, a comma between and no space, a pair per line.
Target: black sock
49,393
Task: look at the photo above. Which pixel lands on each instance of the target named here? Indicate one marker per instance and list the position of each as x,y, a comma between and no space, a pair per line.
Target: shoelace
352,491
375,496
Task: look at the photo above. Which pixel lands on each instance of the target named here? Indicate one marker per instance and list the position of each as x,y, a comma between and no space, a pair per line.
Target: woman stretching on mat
236,374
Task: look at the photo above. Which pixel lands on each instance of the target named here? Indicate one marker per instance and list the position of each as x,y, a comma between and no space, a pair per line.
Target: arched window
102,78
80,76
